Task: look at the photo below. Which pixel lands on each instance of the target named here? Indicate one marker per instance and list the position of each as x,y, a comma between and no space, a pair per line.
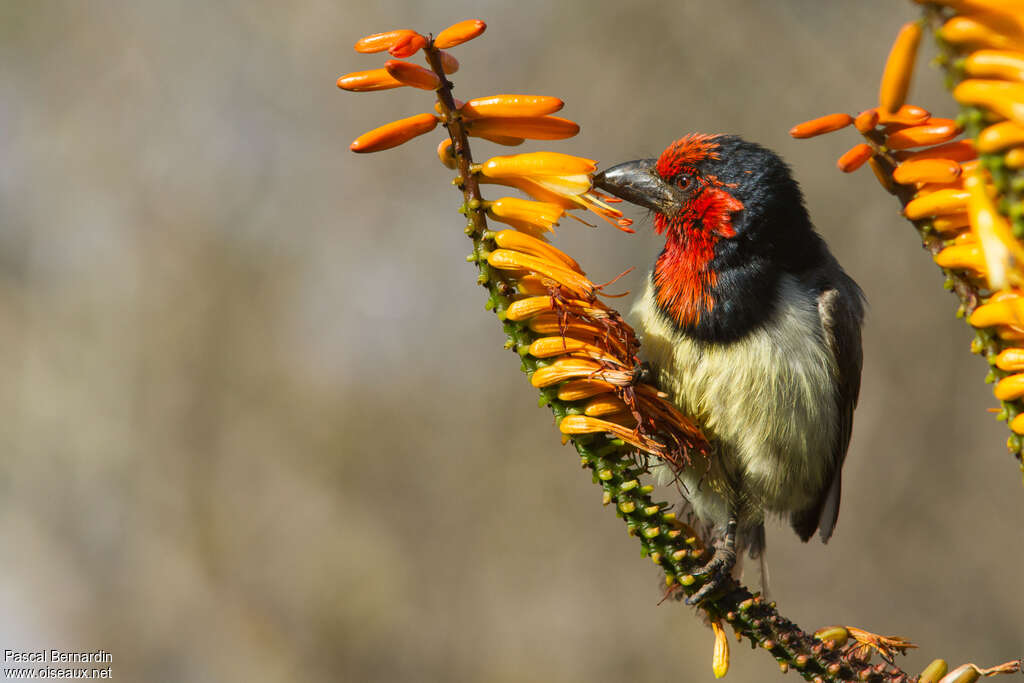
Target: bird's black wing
841,308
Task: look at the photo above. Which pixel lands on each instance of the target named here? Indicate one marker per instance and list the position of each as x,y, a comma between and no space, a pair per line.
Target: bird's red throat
684,274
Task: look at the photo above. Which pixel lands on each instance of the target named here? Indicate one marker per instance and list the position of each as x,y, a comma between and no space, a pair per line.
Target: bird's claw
717,571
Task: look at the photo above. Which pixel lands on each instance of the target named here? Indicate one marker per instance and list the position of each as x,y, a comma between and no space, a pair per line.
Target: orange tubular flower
999,136
379,42
411,74
578,368
934,131
535,305
395,133
1003,64
821,125
907,115
511,105
855,158
445,154
506,140
407,46
927,171
511,239
553,324
459,33
939,203
961,150
532,127
1002,97
899,68
365,81
543,215
582,424
866,120
579,389
604,405
548,347
448,62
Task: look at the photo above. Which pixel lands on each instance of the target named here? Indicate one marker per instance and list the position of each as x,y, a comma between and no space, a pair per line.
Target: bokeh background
257,425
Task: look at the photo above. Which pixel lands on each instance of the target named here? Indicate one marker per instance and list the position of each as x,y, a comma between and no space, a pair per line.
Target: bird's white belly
766,401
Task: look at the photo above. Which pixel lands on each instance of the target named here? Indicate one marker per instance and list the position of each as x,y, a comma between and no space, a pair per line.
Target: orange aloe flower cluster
963,195
585,352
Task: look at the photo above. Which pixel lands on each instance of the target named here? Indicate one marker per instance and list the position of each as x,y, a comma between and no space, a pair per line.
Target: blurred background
258,425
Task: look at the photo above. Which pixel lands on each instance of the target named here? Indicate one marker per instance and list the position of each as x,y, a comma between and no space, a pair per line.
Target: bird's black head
733,220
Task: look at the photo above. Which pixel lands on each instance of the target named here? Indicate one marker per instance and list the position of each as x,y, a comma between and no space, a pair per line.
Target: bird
752,327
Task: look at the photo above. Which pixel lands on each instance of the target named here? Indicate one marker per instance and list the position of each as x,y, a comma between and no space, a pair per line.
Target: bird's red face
684,274
694,210
733,220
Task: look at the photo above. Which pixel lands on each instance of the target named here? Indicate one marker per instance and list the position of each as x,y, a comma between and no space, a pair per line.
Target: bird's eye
684,181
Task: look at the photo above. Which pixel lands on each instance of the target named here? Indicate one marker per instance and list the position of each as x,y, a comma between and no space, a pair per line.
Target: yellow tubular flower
1004,64
939,203
537,164
720,657
1011,360
1010,388
541,214
507,259
951,223
1004,256
1017,424
510,239
999,136
989,31
934,671
962,257
1008,311
583,424
1015,158
1002,97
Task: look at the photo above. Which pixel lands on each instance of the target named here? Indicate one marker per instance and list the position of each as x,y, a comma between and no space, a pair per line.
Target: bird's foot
719,569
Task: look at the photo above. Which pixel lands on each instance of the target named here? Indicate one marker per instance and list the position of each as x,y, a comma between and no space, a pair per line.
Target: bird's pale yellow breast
766,400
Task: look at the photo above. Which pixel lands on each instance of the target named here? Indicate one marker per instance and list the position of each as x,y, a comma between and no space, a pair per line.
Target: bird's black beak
639,183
